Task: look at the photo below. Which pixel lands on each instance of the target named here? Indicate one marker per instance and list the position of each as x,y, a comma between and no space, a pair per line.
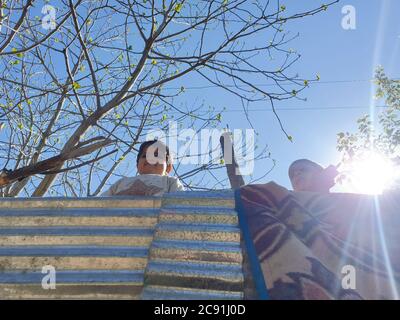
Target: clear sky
345,61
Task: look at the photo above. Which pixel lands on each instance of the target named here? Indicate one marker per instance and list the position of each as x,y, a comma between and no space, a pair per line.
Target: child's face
304,177
150,165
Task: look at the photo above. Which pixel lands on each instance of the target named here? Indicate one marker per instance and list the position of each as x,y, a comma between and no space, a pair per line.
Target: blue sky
345,60
336,54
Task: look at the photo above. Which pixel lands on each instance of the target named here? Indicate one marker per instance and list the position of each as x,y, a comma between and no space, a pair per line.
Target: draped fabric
322,246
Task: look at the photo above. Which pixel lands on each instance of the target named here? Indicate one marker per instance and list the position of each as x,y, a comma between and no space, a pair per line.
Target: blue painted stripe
173,294
194,267
73,251
124,197
218,194
75,199
197,245
80,212
198,227
77,231
194,210
258,275
81,276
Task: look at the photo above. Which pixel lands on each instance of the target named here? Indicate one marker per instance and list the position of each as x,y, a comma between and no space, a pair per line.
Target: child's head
305,174
153,158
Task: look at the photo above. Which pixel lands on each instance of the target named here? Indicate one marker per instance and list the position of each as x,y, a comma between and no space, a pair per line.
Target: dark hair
309,162
147,144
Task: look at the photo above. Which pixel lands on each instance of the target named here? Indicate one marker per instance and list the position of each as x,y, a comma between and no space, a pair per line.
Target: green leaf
153,62
290,138
283,7
19,55
178,7
76,85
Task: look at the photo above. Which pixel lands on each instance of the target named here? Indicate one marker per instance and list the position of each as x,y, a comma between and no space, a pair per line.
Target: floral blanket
305,245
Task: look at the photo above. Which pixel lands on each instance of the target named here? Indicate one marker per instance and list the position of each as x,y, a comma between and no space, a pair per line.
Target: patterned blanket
305,245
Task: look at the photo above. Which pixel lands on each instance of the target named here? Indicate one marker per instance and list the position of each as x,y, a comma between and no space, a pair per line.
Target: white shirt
145,185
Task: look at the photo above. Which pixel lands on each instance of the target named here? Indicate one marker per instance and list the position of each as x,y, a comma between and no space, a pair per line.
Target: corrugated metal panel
99,248
182,246
196,251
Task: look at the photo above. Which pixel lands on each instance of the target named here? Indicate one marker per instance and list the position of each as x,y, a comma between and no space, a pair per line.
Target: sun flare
372,174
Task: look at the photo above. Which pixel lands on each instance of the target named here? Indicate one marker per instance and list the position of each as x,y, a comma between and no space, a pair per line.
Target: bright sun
372,174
